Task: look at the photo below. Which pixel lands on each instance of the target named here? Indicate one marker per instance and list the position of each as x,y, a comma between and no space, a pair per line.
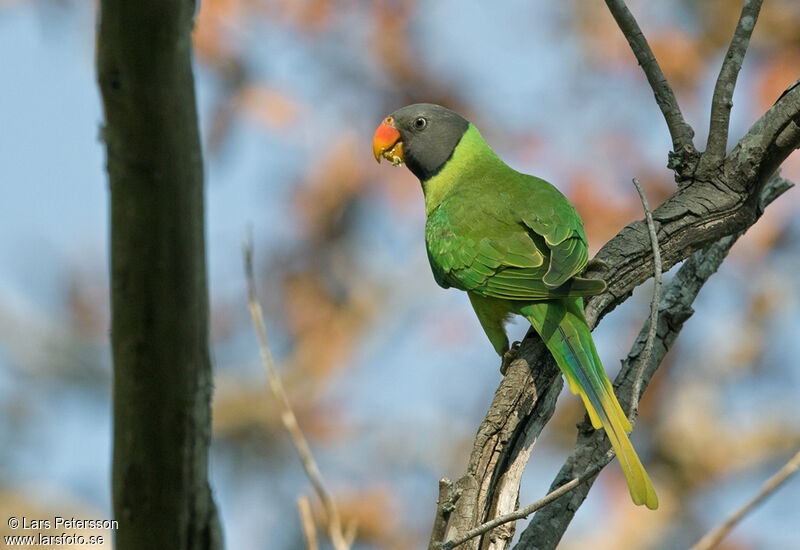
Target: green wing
521,242
553,217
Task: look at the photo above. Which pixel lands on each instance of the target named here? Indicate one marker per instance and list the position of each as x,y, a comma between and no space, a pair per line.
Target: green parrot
516,245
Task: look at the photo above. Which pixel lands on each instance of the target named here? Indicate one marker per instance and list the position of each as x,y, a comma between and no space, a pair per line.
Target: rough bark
521,407
159,298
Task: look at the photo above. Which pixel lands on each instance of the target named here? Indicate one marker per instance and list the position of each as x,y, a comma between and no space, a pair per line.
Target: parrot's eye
420,123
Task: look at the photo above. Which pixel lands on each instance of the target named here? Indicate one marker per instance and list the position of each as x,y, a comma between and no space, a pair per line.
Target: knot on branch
684,163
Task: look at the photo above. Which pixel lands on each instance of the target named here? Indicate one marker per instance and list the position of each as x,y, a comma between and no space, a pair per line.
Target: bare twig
288,417
711,539
350,532
444,505
307,521
531,508
679,129
722,101
651,332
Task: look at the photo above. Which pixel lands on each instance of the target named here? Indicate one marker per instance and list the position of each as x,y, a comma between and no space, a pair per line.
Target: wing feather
527,247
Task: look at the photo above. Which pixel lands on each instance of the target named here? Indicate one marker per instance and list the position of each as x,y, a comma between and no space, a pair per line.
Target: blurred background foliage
389,374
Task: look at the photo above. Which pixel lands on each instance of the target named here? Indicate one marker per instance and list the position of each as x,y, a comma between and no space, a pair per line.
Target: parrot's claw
509,357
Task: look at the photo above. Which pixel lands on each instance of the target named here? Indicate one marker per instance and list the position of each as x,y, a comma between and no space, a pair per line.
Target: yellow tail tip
649,498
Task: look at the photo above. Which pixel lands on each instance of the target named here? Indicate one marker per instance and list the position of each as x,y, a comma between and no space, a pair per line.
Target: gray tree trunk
159,297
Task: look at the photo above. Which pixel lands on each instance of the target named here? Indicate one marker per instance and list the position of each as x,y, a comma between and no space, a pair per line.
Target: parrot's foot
509,357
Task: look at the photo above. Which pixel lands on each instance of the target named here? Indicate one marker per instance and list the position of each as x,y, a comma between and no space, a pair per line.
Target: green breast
472,161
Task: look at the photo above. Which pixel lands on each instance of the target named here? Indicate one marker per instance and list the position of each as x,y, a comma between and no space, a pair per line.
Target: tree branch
531,508
713,205
768,142
522,405
307,523
444,506
339,539
713,538
679,129
549,524
651,333
722,101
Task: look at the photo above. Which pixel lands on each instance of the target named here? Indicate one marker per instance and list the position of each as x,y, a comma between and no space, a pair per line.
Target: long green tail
562,326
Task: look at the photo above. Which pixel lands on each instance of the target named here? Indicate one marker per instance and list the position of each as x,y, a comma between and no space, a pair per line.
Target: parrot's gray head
422,135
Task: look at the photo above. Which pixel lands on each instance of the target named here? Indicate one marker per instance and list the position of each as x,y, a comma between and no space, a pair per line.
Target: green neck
471,156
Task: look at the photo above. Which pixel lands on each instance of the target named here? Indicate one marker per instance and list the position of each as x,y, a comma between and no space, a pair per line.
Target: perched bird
516,245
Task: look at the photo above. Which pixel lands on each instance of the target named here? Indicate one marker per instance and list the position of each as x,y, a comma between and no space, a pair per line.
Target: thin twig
444,505
531,508
711,539
722,101
288,417
307,521
350,532
679,129
651,331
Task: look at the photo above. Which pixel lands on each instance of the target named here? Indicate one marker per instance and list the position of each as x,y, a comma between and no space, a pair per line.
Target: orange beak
387,143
